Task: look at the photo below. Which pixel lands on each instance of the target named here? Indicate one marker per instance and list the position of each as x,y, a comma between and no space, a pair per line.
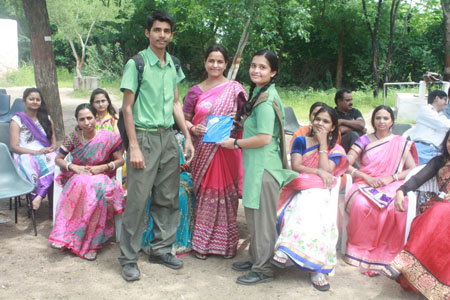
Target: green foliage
105,61
25,77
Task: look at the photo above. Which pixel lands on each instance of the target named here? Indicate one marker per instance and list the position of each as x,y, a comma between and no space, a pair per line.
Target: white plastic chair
429,186
344,215
408,133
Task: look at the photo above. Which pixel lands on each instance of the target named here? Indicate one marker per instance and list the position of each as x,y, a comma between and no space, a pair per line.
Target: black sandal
322,288
394,274
200,256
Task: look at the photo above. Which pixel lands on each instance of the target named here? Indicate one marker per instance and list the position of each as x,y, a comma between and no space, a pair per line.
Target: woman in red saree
423,264
375,229
216,171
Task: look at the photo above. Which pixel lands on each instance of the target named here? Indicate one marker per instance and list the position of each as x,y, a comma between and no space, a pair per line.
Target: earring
330,136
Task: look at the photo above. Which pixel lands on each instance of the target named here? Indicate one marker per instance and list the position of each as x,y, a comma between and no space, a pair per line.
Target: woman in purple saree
33,144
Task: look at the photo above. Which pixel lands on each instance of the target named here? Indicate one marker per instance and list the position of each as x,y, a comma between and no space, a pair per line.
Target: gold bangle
323,151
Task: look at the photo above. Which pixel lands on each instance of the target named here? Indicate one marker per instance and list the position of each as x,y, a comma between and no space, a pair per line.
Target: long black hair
377,109
42,113
314,105
111,110
247,108
334,121
444,149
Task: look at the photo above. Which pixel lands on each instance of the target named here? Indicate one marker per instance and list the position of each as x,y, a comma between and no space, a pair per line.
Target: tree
373,30
44,61
446,10
76,20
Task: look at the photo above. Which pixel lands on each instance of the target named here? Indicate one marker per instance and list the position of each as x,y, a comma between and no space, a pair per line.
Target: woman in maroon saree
216,171
423,264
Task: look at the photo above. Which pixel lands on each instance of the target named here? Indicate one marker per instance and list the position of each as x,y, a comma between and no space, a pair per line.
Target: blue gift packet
218,129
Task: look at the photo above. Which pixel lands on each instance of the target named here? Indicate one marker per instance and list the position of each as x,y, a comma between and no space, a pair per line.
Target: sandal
371,273
228,256
58,246
200,256
390,272
319,282
278,261
90,256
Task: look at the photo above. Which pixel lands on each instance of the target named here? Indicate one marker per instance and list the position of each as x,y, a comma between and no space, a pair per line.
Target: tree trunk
446,9
340,63
44,60
242,42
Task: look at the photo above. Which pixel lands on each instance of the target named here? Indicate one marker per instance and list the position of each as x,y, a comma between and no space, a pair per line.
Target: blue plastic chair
4,134
17,106
2,92
12,185
5,102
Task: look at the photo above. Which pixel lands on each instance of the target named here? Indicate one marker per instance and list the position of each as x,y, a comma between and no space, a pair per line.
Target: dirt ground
30,269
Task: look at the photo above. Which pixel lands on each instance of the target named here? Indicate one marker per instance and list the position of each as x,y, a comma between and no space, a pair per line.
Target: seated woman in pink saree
375,229
307,210
91,195
216,171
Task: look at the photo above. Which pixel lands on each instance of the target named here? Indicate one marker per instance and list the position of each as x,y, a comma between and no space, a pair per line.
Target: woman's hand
399,203
94,170
321,135
228,143
373,182
385,180
198,130
327,178
79,169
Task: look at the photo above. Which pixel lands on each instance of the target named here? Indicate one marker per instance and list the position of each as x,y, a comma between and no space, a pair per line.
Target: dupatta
34,129
306,181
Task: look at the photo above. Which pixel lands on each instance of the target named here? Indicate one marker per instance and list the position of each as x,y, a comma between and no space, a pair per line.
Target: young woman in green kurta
264,170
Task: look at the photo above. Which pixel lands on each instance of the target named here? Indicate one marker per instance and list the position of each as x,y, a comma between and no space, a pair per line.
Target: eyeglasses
100,101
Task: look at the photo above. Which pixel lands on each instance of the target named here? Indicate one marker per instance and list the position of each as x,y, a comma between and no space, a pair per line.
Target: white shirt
26,139
431,126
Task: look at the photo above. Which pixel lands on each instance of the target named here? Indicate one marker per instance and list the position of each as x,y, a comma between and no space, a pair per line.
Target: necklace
84,139
375,134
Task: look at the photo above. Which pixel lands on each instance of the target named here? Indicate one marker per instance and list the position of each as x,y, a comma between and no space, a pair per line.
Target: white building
9,49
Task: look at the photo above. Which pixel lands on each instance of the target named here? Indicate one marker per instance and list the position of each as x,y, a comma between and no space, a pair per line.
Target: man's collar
155,59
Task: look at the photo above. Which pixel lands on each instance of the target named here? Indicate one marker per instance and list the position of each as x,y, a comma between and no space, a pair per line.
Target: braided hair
42,113
247,107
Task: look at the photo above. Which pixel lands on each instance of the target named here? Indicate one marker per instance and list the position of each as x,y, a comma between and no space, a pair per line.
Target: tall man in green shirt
153,155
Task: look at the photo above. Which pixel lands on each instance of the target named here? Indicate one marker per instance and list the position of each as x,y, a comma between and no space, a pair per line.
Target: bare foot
37,202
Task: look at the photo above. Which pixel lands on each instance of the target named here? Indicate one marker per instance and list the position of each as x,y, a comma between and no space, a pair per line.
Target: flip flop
92,258
200,256
57,246
394,273
371,273
315,278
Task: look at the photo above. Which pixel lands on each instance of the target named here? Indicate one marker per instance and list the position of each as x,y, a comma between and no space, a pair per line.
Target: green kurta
263,120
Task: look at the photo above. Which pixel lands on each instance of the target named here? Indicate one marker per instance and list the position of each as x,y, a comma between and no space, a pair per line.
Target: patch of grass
80,94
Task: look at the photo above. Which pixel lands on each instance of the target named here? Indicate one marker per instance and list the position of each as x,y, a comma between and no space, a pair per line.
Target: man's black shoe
130,272
253,278
166,259
242,266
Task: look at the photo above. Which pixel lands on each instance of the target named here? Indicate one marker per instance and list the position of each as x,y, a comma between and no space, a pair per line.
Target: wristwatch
236,146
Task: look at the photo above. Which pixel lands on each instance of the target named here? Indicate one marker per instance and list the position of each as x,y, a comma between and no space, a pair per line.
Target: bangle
395,177
318,170
353,172
323,151
114,165
67,166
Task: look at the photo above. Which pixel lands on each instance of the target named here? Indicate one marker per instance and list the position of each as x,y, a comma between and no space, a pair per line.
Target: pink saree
87,205
376,234
216,173
307,216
